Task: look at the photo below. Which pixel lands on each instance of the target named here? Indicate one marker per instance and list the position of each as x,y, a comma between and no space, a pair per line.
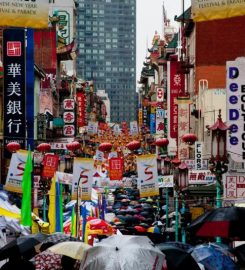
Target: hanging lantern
176,162
43,147
105,147
189,138
163,142
13,147
73,146
134,145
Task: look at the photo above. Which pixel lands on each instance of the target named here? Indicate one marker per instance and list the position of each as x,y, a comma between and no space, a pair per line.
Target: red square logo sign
13,48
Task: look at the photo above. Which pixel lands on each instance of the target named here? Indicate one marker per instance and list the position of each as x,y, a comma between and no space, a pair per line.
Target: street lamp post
176,162
218,158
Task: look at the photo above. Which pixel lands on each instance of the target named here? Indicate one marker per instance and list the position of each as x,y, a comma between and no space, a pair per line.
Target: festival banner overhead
50,165
205,10
32,14
147,175
116,168
16,171
83,171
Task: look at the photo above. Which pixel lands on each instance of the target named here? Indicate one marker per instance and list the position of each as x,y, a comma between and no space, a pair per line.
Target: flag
55,213
84,218
51,212
26,218
73,222
58,208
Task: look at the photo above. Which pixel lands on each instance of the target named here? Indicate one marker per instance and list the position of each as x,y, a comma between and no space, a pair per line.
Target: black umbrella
59,237
239,252
23,245
224,222
177,258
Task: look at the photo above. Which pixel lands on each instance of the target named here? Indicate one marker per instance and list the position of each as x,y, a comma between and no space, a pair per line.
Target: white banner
64,178
92,127
147,175
134,127
83,171
16,171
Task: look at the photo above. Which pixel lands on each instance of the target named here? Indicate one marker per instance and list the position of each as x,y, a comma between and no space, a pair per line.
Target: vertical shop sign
14,86
81,109
183,127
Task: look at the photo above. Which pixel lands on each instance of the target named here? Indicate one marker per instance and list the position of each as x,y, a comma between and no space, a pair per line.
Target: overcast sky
149,20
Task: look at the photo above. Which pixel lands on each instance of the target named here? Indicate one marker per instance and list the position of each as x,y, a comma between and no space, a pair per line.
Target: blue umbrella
212,258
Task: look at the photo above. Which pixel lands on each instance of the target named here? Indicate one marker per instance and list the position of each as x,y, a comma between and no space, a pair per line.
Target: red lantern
176,162
134,145
73,146
105,147
189,138
43,147
163,142
13,147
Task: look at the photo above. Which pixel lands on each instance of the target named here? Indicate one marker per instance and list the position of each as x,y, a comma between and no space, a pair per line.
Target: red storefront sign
116,168
50,165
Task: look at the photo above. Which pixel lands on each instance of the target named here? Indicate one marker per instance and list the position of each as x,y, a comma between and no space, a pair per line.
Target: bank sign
236,108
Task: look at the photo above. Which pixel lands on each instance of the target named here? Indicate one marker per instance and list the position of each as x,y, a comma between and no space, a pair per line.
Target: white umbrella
71,249
125,252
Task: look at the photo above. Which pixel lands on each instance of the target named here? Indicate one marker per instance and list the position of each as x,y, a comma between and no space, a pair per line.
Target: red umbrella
48,260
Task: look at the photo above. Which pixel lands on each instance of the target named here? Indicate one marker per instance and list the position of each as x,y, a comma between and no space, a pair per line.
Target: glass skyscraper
106,38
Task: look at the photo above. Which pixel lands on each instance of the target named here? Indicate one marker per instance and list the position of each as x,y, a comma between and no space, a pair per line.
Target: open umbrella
48,260
224,222
22,245
239,252
177,258
74,250
124,252
212,258
59,237
180,245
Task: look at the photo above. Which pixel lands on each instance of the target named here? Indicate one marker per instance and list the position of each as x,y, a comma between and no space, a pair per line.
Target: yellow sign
205,10
196,212
28,13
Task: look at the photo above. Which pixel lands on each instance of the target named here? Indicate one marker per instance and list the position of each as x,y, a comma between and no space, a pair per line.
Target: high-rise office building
106,38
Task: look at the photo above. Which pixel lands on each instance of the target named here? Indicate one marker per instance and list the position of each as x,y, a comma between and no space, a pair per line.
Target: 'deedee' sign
236,108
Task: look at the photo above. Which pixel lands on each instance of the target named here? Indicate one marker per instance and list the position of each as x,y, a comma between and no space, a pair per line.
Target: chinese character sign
234,186
160,121
116,168
14,85
83,171
196,177
176,83
147,175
